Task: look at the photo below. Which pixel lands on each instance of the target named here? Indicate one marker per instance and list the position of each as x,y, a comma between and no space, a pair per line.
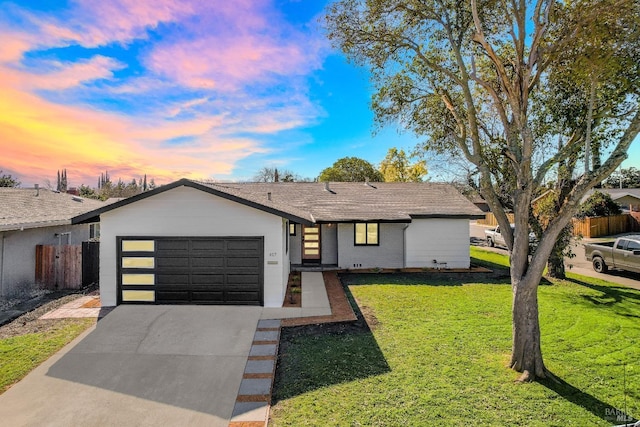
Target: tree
104,179
268,174
351,169
6,180
599,204
395,167
472,77
626,178
61,185
88,192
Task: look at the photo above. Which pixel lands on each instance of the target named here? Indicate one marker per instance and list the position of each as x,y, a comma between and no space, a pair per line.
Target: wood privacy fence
590,227
603,225
490,219
59,266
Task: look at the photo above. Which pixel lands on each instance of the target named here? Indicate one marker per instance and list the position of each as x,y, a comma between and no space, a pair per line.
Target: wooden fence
490,219
602,225
59,266
590,227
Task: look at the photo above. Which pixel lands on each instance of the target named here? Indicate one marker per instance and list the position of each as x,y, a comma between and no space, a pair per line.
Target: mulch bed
293,297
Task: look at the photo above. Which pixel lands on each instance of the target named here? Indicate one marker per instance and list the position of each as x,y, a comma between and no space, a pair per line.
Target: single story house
235,243
36,216
627,198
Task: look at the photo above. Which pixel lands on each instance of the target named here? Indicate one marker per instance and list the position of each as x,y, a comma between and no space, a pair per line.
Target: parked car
495,238
623,254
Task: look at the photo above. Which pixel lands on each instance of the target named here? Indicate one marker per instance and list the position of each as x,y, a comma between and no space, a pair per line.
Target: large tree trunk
555,265
526,353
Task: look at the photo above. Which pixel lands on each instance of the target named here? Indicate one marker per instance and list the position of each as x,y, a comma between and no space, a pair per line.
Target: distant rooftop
23,208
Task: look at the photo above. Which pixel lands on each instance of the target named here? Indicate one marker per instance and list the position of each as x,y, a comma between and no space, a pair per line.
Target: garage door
191,270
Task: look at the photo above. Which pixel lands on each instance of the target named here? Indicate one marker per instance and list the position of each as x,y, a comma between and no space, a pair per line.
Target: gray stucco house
235,243
30,217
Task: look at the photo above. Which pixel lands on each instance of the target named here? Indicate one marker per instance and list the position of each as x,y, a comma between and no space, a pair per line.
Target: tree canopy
626,178
351,169
272,174
6,180
521,90
599,204
395,167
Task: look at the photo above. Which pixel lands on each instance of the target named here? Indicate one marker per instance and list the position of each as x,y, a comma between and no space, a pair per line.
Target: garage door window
138,279
138,246
138,262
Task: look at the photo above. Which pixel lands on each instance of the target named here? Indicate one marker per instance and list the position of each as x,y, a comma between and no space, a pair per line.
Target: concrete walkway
146,365
315,301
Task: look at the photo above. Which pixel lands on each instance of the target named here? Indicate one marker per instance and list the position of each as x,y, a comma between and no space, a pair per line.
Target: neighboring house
627,198
189,242
30,217
481,204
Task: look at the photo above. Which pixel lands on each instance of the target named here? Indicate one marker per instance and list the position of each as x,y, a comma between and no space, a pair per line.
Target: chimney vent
269,195
37,187
326,186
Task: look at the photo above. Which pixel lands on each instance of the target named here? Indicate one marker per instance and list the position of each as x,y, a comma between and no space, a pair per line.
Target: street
578,264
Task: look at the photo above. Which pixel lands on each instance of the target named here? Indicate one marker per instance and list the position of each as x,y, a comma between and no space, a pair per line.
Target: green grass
438,356
21,354
488,258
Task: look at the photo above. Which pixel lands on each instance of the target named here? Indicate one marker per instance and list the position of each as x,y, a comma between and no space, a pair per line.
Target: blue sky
179,88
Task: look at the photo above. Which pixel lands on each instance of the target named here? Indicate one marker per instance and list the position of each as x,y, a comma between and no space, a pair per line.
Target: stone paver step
254,396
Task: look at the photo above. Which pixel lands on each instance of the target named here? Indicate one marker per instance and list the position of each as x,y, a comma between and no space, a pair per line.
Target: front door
311,243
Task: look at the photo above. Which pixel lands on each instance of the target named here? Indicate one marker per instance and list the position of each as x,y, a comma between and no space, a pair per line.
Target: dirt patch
94,303
369,317
30,323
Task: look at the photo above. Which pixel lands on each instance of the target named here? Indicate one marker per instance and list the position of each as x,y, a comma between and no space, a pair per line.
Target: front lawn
437,355
21,354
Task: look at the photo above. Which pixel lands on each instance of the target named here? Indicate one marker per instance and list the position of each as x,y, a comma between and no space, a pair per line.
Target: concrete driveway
141,366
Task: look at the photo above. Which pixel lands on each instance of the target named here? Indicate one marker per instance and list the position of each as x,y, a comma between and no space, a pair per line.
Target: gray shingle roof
310,202
352,201
615,193
20,208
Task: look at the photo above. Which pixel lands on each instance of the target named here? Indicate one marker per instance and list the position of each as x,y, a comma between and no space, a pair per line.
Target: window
292,229
633,246
366,233
94,231
138,246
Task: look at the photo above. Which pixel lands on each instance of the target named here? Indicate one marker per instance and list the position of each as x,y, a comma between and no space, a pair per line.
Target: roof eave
31,225
451,216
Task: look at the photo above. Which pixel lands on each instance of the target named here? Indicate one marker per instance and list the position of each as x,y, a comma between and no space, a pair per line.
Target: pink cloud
221,47
14,45
66,75
231,61
38,137
97,23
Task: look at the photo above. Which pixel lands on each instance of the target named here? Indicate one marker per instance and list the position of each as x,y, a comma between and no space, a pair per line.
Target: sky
197,89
